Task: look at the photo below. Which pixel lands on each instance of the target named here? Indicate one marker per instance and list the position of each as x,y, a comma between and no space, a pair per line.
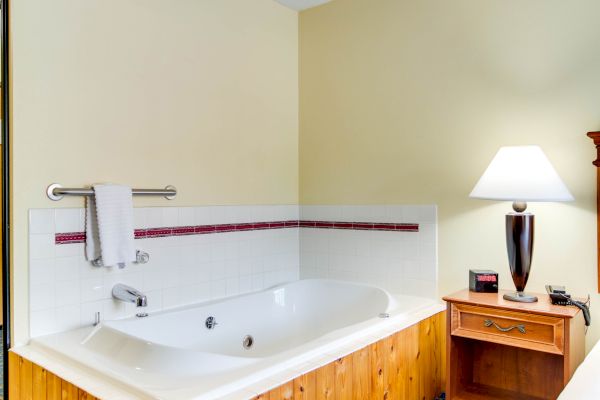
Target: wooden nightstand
498,349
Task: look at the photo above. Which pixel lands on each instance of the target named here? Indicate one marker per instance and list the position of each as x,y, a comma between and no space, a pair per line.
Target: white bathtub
173,355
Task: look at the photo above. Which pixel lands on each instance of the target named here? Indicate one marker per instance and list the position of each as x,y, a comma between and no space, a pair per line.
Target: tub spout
130,295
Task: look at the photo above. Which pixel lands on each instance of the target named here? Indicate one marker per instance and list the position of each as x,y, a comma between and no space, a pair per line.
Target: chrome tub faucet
130,295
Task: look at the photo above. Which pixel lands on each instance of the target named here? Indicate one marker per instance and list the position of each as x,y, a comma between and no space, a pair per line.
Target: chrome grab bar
56,192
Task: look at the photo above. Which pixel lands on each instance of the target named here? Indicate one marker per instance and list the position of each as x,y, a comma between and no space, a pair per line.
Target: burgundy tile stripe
363,226
73,237
79,237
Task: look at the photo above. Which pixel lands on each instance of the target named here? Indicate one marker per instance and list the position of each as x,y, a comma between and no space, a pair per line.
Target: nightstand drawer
512,328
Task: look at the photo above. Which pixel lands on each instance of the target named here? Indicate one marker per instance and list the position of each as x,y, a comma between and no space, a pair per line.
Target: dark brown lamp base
519,243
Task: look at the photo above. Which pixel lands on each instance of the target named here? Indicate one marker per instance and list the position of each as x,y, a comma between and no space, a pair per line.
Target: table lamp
520,174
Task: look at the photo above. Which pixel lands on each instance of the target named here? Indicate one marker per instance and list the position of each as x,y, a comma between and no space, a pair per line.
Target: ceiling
302,4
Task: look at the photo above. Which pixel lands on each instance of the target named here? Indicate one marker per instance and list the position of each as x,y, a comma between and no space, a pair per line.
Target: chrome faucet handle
141,257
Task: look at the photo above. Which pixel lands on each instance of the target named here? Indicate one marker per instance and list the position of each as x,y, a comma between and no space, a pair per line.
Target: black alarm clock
483,281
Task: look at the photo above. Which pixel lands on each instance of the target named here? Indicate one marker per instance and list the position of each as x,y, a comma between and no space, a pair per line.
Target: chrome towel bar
56,192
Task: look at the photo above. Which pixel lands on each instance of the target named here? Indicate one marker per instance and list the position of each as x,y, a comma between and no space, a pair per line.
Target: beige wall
198,94
408,101
401,102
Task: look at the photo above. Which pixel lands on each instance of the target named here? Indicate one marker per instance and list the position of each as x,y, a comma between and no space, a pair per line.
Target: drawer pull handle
489,322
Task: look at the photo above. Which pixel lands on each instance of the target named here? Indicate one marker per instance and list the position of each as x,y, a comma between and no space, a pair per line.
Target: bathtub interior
262,324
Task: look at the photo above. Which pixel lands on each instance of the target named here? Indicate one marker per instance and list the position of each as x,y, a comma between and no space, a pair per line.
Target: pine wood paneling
69,391
14,387
361,377
377,370
29,381
39,383
305,386
26,377
343,378
287,391
427,380
412,361
391,367
325,382
53,387
407,365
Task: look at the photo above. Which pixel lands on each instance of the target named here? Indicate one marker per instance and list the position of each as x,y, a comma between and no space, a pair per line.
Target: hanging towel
109,226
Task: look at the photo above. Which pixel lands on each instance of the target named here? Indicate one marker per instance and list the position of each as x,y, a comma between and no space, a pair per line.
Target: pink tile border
79,237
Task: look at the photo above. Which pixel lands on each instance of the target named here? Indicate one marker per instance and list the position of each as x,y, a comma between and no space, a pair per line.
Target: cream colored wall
198,94
408,101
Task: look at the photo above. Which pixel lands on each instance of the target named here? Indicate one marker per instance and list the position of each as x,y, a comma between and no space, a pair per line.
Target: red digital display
486,278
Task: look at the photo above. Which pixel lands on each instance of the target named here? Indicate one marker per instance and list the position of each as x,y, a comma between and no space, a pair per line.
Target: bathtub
225,348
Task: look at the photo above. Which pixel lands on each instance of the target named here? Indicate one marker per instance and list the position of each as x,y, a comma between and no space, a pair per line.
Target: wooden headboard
595,136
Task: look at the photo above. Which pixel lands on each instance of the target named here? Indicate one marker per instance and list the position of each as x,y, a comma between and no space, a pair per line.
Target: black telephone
558,295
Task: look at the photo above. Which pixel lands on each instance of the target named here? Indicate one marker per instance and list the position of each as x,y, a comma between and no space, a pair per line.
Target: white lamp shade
521,173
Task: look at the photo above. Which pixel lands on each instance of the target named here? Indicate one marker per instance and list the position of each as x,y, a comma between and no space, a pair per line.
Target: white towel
109,226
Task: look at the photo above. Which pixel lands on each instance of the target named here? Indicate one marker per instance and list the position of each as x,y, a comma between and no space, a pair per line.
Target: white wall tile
154,217
263,213
68,317
202,216
140,216
257,282
204,272
72,249
67,293
42,271
170,216
245,284
41,221
186,216
151,280
401,262
91,289
182,269
233,286
171,297
42,322
196,293
218,288
66,269
42,297
41,246
219,215
68,220
188,269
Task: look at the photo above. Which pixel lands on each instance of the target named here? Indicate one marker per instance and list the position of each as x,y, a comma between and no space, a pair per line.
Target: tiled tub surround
66,291
202,253
401,262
